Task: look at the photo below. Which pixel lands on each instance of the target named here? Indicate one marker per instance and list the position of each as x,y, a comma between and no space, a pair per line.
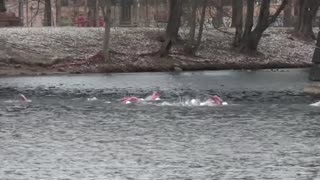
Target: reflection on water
61,135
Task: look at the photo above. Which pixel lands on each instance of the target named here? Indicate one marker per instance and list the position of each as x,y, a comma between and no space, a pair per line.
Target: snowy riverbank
35,51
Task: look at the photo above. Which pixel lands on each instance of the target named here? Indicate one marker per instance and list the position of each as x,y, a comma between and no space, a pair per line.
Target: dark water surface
268,132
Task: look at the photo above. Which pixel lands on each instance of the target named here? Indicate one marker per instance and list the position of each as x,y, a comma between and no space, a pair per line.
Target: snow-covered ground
45,45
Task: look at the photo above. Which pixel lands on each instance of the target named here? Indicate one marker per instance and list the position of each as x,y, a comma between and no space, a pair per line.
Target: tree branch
273,18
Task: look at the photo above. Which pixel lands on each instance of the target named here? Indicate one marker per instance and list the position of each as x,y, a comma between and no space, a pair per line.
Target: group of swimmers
211,101
214,100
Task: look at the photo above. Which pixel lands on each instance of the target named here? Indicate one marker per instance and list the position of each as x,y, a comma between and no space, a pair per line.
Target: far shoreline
71,50
30,72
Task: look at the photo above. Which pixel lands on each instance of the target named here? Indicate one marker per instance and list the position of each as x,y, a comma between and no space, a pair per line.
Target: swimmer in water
130,100
214,101
133,99
154,97
23,98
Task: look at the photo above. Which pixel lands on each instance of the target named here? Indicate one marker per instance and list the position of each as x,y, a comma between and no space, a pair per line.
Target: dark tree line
247,37
247,33
2,6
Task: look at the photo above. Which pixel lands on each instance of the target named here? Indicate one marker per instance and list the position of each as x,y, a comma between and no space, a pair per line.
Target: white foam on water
317,104
92,99
17,101
12,101
192,103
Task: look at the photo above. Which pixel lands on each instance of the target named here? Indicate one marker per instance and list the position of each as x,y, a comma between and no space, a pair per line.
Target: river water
267,132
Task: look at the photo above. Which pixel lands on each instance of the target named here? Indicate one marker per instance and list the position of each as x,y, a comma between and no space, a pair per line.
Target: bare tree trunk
237,20
96,14
89,13
58,12
173,27
249,18
193,20
193,46
315,69
250,39
47,13
92,13
203,16
235,12
316,55
106,10
147,12
86,6
244,40
307,11
287,14
175,18
93,16
21,10
190,44
27,13
2,6
219,15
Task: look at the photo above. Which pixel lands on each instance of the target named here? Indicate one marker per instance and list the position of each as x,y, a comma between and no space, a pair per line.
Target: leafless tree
202,19
106,10
251,36
47,13
58,12
193,45
316,55
235,13
193,20
173,26
307,10
237,20
219,15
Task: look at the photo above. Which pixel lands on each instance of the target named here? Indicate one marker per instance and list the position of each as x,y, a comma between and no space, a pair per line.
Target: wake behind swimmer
214,100
155,98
